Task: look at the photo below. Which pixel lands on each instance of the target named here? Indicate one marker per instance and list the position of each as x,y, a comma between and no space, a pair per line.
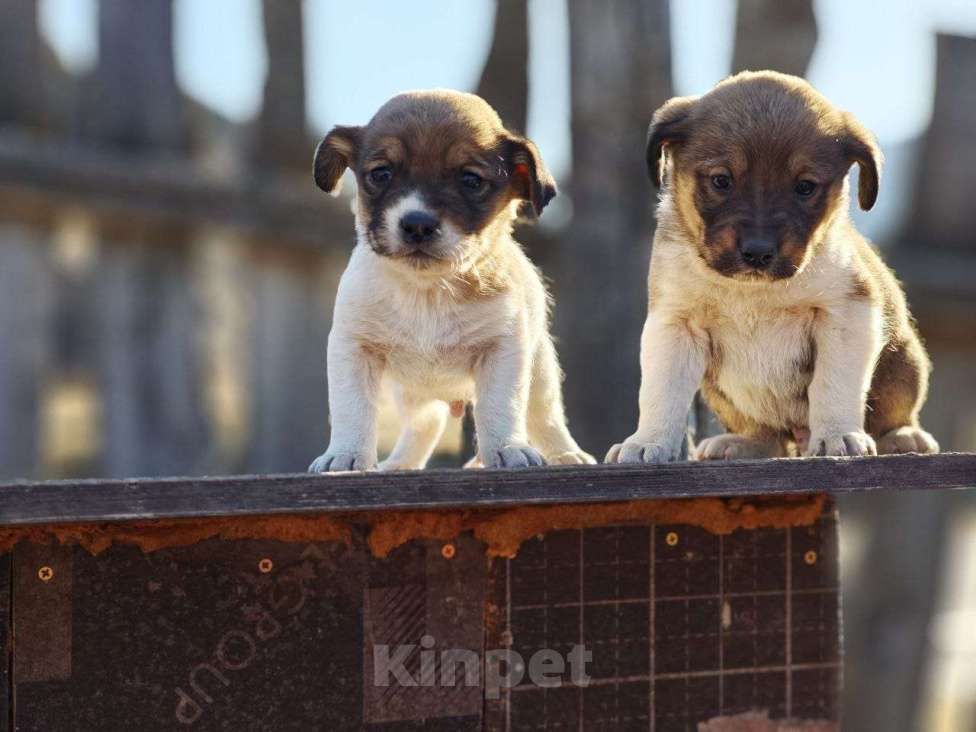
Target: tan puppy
438,296
762,293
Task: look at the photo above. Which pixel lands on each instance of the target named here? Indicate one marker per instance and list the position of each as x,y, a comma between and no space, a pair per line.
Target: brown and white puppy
438,296
762,293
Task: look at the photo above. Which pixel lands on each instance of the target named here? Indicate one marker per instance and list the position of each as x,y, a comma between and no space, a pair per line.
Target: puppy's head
439,178
757,168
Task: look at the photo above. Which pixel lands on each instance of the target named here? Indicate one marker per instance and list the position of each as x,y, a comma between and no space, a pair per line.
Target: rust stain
760,722
153,535
502,531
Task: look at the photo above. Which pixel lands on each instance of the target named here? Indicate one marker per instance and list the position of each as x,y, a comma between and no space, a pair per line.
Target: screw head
45,573
448,551
671,539
265,565
810,557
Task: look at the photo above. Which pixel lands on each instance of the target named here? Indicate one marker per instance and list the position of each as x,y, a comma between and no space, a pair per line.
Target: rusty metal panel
42,617
219,635
685,628
422,602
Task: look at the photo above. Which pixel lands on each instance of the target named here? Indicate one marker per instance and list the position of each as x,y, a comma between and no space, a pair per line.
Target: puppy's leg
354,379
848,342
423,424
739,447
546,416
898,390
502,387
673,360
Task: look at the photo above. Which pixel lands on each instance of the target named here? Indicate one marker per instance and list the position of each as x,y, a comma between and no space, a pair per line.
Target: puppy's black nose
757,252
418,227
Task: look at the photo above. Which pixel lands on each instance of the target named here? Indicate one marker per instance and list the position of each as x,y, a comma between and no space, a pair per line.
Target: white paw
571,457
638,449
734,447
512,456
335,462
850,444
907,439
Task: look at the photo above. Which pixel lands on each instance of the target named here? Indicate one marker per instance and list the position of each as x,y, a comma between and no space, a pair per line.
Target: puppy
762,293
438,296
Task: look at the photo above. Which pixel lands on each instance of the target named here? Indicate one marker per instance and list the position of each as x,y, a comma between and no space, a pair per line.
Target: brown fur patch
766,133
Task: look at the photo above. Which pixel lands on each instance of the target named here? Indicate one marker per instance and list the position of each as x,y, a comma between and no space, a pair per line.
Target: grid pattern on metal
684,626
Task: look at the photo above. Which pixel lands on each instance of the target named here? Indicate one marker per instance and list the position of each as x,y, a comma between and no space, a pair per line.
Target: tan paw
572,457
736,447
907,439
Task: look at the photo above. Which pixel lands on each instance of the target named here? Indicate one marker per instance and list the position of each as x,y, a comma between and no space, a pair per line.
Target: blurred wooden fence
166,276
164,294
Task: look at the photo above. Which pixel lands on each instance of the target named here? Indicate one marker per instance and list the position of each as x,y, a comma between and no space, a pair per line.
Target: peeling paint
151,536
504,531
760,722
501,531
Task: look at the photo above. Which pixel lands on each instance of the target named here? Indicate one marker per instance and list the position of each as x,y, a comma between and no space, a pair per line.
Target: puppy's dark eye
380,176
472,181
805,188
722,182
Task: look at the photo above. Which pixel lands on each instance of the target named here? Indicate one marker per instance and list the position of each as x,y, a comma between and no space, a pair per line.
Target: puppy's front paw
512,456
571,457
735,447
850,444
336,462
905,440
639,449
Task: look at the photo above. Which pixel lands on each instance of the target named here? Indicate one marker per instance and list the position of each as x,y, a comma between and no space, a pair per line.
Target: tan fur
814,353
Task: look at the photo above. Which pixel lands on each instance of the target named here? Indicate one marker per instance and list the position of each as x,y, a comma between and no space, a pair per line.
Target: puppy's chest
431,344
762,360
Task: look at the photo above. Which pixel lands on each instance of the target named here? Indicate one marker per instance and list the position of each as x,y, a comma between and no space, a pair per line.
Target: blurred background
167,266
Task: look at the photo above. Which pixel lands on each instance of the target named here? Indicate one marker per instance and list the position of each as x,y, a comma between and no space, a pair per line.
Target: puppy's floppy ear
669,126
335,153
861,147
529,176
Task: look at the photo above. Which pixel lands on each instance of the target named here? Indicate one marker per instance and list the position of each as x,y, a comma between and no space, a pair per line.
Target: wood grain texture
26,503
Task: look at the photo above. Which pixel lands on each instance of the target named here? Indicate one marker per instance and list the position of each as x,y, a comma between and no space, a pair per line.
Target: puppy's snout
419,227
757,251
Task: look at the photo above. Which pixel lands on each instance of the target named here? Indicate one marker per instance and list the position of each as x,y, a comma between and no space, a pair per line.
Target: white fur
419,327
762,330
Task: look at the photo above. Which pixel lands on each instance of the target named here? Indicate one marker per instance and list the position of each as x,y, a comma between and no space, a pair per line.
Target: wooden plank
55,502
132,101
281,139
620,55
890,595
21,101
26,311
149,361
942,215
788,31
288,332
504,82
153,185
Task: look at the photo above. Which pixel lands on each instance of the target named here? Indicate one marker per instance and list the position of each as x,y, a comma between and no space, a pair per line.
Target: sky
879,65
